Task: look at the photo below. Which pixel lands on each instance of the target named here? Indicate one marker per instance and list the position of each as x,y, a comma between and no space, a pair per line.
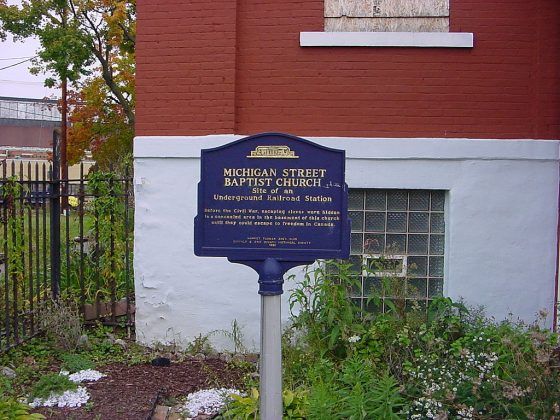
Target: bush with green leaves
247,407
52,383
13,244
29,361
471,367
353,389
325,312
11,409
62,324
109,213
75,362
98,271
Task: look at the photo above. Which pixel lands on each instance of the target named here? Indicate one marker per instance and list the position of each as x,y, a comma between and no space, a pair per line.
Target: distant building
26,133
26,126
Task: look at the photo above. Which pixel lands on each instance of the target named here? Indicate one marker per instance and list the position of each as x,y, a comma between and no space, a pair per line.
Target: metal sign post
272,202
271,358
271,279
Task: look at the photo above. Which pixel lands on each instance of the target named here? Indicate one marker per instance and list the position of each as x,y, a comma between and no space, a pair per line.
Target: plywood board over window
387,15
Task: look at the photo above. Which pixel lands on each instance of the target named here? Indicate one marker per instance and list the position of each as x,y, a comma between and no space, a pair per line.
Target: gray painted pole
271,359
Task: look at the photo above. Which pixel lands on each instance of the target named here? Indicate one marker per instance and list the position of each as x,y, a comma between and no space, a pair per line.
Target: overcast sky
16,81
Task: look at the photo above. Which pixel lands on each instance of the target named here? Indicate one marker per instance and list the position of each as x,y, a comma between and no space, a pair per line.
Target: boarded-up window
387,15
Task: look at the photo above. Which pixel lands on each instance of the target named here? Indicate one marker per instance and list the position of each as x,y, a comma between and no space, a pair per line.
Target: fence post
55,217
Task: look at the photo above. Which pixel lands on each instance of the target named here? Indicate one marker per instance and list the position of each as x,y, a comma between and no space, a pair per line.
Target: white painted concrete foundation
501,229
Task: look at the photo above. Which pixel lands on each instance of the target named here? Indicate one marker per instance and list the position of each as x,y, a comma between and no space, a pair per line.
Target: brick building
449,113
26,126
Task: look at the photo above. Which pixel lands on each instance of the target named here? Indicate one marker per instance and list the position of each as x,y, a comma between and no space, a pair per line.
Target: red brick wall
185,79
191,81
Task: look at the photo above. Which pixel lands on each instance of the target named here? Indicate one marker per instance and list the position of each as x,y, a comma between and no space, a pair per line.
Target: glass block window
397,245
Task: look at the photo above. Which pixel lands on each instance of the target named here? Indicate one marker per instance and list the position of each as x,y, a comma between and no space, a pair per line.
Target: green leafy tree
91,44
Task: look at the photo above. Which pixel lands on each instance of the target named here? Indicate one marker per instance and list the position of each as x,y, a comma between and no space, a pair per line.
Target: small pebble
88,375
208,401
74,398
67,399
8,372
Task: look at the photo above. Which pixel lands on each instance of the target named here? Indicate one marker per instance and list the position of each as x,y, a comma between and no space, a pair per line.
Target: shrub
443,362
14,410
62,324
73,362
247,407
51,384
326,314
353,389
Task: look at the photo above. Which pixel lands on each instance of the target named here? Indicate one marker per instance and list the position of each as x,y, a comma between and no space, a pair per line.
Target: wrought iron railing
67,239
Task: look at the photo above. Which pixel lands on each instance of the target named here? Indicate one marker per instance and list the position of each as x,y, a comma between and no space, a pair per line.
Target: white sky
17,81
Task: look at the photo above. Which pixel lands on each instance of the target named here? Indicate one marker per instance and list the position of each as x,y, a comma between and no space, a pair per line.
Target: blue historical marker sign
272,202
272,196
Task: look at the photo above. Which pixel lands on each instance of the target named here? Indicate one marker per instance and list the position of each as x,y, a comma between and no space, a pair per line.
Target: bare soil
133,392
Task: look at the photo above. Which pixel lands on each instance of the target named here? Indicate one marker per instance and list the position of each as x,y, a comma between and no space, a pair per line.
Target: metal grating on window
399,236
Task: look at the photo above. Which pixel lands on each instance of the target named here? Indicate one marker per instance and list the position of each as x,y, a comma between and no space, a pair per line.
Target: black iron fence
65,239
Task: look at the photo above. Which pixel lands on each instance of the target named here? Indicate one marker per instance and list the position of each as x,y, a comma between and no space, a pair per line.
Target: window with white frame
397,246
386,15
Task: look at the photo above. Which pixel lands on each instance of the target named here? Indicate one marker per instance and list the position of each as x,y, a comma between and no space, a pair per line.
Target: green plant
74,362
13,410
295,404
5,385
479,369
326,314
322,400
108,212
89,407
362,394
200,345
443,361
297,358
51,384
247,407
102,348
386,398
79,275
235,335
243,407
29,361
13,242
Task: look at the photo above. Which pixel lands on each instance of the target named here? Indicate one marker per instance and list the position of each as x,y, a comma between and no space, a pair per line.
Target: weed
235,335
200,345
89,406
62,324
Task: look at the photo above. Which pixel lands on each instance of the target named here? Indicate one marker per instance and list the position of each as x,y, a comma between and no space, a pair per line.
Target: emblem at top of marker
273,152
